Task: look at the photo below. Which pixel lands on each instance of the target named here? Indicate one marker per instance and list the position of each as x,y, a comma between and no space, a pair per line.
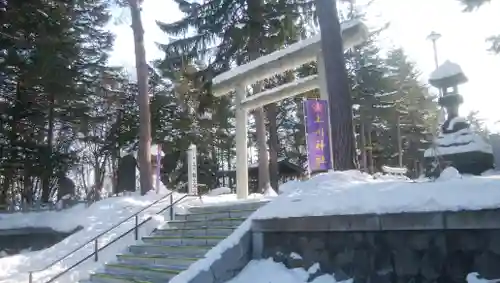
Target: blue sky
463,41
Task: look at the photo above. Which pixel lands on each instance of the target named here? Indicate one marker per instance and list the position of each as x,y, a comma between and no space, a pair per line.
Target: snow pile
353,192
289,186
269,271
270,192
95,219
449,173
209,200
219,191
474,277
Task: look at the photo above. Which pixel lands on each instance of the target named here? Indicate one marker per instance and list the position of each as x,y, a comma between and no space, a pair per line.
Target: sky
411,21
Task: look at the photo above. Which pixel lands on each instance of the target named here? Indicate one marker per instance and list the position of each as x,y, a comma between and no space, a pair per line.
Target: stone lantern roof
447,75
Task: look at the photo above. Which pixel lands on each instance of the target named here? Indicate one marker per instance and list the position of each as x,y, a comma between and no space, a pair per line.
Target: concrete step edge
220,211
157,256
118,277
185,247
160,237
207,220
201,228
143,268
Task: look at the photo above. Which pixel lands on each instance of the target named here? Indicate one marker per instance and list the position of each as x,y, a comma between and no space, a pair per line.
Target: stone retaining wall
231,262
407,247
12,241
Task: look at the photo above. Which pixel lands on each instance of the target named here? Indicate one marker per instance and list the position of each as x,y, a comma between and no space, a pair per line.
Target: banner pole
158,168
304,106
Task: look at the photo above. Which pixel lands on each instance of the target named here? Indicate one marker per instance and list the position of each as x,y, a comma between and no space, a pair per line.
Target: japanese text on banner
318,141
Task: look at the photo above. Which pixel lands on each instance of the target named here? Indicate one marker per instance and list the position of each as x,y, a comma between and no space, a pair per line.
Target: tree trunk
343,140
144,154
255,19
370,149
47,171
362,132
273,145
400,142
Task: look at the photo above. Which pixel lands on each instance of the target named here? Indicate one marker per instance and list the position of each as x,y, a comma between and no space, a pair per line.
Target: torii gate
354,32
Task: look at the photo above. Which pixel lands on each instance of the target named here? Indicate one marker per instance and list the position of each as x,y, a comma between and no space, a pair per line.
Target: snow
295,255
394,170
268,271
219,191
314,268
449,173
474,277
469,140
446,70
353,192
95,219
208,200
270,192
289,186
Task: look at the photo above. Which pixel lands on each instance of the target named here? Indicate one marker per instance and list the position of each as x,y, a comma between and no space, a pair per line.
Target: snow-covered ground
95,219
269,271
353,192
346,192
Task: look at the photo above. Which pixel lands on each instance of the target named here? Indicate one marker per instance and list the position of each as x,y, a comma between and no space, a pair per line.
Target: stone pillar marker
192,170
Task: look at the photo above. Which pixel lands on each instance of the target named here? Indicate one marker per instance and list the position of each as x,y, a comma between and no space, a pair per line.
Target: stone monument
457,144
126,181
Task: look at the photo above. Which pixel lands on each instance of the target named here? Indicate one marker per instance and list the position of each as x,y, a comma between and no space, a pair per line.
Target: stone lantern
457,144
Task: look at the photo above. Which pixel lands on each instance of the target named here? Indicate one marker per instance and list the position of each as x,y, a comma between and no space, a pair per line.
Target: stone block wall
398,248
12,241
391,256
231,262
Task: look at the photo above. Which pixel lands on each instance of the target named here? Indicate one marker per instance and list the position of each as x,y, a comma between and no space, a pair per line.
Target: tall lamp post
434,36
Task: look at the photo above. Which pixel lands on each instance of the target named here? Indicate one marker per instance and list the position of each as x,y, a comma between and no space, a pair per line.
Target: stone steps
156,260
228,222
172,248
201,231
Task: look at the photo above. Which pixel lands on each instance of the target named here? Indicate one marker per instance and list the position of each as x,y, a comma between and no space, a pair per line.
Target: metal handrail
96,238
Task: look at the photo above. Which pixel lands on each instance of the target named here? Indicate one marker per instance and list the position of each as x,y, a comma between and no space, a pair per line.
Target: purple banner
318,141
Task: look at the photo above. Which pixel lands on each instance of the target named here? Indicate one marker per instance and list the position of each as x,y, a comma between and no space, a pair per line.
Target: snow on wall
353,192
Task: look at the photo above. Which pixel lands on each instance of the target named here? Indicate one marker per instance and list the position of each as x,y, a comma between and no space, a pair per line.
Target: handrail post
171,206
96,250
136,230
30,280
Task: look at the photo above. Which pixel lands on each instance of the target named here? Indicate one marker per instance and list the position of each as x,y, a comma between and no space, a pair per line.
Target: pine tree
471,5
50,54
416,111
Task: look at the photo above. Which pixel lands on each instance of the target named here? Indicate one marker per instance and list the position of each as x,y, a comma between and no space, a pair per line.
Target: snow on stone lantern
457,144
